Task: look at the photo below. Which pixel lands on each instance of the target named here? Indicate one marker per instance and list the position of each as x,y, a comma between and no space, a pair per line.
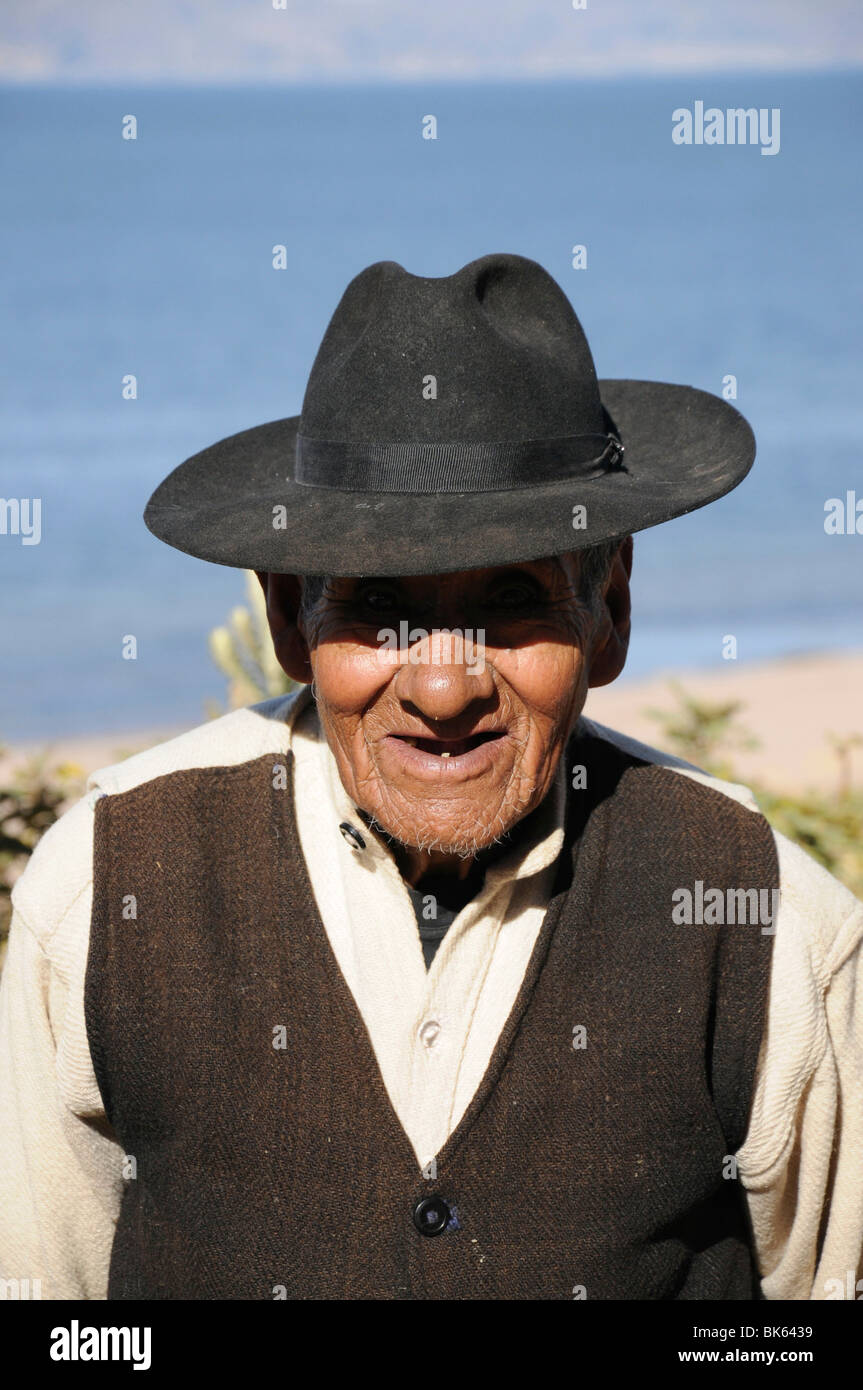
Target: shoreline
791,705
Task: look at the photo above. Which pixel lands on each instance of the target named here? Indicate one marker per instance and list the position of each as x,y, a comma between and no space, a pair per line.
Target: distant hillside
248,40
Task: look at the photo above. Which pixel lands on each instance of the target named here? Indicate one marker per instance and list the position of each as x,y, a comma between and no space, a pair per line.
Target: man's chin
468,848
463,839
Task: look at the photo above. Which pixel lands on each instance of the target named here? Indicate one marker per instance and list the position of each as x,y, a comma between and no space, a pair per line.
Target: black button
431,1216
352,835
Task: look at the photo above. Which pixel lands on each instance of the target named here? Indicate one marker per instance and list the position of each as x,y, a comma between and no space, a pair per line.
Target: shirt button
352,835
431,1216
429,1033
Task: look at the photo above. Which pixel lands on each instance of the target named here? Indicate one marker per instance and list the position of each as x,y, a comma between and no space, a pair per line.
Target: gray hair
594,567
595,563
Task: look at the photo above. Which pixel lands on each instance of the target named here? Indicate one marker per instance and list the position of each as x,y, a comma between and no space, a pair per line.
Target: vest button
429,1033
431,1216
352,835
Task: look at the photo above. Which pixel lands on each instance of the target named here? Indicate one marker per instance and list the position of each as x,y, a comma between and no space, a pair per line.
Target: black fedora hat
452,423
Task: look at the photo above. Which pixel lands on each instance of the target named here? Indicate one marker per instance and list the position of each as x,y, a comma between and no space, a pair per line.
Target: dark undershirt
437,901
438,898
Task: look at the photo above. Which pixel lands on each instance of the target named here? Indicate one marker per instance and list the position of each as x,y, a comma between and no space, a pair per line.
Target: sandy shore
83,753
790,707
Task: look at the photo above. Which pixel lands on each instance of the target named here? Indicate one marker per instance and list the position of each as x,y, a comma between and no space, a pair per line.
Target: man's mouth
449,747
445,761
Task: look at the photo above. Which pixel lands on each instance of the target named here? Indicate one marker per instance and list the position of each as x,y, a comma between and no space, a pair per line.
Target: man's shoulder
232,739
813,903
644,752
60,870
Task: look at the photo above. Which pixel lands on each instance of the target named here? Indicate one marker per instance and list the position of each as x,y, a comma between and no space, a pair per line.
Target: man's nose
442,682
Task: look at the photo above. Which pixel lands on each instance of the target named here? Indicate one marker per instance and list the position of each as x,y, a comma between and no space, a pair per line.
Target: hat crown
493,352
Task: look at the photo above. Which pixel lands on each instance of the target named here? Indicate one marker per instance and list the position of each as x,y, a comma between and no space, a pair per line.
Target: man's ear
282,592
612,640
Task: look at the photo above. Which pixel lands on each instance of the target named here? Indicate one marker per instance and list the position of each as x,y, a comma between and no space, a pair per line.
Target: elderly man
417,984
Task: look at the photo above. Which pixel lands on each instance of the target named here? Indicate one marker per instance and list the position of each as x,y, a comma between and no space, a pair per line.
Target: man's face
448,743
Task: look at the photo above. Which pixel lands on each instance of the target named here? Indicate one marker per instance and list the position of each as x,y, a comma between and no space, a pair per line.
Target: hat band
470,467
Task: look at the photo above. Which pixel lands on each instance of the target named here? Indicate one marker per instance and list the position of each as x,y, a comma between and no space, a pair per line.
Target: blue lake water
153,257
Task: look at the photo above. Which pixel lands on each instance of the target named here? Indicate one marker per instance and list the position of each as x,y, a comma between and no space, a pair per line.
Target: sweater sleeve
61,1174
801,1164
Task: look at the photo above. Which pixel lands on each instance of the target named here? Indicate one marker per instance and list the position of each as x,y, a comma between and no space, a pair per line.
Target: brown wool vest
592,1171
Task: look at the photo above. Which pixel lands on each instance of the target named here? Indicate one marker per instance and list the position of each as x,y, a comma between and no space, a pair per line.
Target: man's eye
514,597
378,600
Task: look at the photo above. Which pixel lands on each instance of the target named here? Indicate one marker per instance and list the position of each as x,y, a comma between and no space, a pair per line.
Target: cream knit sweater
433,1032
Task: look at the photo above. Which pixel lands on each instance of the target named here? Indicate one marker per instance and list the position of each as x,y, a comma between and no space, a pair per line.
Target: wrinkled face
449,741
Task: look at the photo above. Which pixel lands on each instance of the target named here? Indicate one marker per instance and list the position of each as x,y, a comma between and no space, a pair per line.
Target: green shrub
35,797
243,651
828,826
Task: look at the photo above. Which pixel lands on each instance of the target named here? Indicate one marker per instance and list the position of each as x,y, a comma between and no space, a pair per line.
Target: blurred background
302,126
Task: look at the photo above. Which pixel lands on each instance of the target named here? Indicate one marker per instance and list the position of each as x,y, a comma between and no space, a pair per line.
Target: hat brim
684,448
